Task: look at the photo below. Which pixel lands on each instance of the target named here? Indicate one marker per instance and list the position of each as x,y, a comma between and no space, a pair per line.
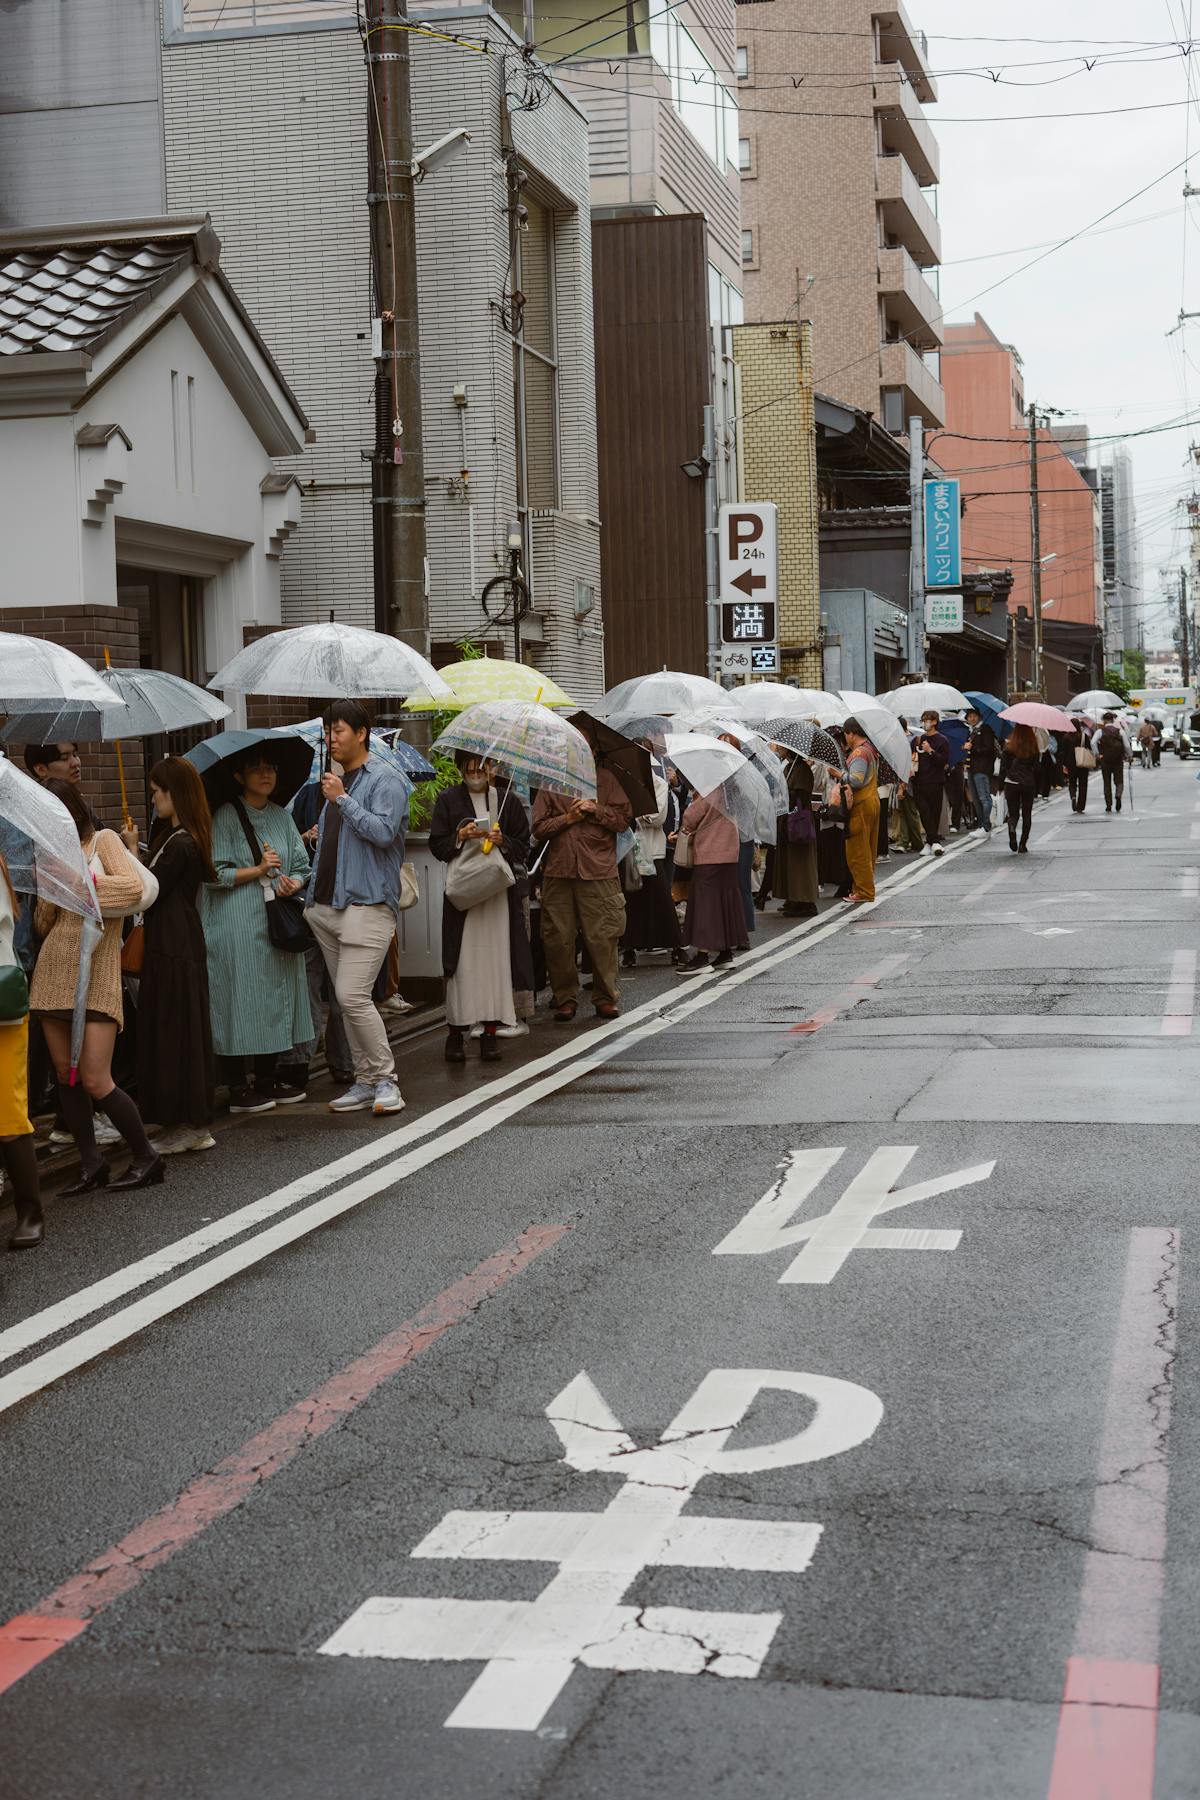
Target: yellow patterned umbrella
490,678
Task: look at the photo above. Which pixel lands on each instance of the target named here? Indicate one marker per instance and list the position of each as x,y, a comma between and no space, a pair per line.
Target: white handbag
410,887
147,877
478,873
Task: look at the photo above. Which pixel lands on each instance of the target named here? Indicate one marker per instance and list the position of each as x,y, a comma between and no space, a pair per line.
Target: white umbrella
753,745
330,662
776,700
36,674
148,702
41,845
922,697
703,761
665,691
888,737
1095,700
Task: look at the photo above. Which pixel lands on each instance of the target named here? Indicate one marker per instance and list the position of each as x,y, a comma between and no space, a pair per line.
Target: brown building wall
652,385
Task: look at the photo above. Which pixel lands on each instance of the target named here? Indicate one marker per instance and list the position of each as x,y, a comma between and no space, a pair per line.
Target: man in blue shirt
353,898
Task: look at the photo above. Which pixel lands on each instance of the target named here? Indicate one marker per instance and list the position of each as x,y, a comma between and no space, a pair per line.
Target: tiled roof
70,297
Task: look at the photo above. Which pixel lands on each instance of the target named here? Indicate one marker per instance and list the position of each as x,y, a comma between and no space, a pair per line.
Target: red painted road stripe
29,1638
857,991
1108,1722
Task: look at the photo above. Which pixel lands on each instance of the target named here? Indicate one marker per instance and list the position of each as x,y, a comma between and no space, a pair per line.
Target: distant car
1186,739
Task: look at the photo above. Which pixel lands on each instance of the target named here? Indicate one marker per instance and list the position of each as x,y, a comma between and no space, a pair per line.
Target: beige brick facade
836,196
779,463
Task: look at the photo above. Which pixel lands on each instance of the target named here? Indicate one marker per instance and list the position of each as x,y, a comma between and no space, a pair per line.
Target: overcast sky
1090,320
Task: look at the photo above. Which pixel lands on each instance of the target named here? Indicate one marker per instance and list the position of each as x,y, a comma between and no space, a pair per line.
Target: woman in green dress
258,995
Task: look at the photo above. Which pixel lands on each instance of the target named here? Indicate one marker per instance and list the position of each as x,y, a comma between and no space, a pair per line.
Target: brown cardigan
118,890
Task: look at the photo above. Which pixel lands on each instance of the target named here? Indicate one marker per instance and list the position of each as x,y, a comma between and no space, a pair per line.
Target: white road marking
1189,884
531,1647
1055,931
1181,996
977,893
848,1226
1195,834
120,1326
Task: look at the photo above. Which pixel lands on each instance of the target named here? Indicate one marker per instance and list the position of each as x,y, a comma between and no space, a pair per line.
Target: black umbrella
629,762
808,739
214,757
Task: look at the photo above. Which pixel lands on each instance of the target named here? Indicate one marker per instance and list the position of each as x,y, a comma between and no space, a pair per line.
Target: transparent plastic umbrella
703,761
491,678
330,662
528,742
35,675
753,744
1095,700
776,700
147,702
651,728
921,697
746,798
888,737
666,691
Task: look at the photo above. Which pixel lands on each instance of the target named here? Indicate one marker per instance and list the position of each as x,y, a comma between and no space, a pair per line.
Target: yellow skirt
14,1080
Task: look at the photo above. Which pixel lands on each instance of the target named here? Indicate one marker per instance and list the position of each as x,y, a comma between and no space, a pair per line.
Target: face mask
476,783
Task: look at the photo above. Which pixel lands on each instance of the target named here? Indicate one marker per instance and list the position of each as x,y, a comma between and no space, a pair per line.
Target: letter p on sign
749,545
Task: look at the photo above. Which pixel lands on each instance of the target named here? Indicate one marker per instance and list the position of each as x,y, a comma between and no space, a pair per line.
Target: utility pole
1185,659
1035,550
397,460
916,565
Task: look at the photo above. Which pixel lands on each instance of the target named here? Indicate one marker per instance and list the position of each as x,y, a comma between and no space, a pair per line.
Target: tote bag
476,874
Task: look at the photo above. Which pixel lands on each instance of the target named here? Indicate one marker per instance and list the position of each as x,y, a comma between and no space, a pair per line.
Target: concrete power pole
1185,656
916,566
1035,551
397,461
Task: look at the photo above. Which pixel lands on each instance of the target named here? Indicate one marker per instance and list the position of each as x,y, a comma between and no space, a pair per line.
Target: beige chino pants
354,942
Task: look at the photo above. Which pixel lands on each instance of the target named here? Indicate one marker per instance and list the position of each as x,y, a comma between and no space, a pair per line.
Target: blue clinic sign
943,535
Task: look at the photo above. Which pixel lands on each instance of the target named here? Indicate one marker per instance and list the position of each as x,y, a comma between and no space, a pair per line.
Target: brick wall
779,462
87,630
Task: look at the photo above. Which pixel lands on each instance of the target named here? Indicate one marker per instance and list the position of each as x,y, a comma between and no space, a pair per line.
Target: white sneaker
938,850
978,831
520,1029
60,1135
926,850
106,1132
180,1139
355,1099
396,1007
388,1098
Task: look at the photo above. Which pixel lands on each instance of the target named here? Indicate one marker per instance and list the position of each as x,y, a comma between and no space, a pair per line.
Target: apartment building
255,111
839,172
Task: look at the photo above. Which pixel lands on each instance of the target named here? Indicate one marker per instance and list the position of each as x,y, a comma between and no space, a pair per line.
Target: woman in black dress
175,1061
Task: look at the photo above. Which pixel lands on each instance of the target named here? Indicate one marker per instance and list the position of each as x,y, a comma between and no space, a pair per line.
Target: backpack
1112,746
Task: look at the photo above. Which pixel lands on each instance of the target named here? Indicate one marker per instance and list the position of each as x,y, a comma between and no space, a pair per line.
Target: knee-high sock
20,1165
76,1108
128,1121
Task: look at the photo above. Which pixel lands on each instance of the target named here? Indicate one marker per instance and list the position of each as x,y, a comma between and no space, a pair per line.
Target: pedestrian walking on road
1019,768
929,781
1147,737
795,866
1111,748
581,890
485,950
18,1157
119,889
1078,761
174,1035
714,925
862,833
353,898
258,997
981,763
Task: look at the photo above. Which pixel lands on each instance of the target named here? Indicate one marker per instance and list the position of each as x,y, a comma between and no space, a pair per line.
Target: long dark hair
73,800
176,776
1023,743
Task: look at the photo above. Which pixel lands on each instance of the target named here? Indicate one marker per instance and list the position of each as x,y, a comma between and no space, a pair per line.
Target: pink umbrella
1035,712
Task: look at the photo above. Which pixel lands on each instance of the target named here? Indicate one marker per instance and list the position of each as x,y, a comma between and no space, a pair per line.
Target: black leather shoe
29,1233
455,1048
489,1049
87,1184
148,1175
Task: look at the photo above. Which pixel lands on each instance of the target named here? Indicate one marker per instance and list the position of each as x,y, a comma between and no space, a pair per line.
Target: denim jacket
371,843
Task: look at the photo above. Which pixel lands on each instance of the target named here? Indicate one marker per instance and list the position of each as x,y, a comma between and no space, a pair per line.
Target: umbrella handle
128,816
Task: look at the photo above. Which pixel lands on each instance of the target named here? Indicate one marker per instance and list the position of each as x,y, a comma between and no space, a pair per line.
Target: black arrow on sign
748,581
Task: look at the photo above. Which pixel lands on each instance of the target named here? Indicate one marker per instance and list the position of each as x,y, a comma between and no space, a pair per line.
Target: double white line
342,1184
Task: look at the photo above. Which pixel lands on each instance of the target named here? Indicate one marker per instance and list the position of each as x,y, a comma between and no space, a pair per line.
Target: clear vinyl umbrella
753,745
330,662
666,691
922,697
35,675
889,737
146,702
703,761
1096,700
528,742
776,700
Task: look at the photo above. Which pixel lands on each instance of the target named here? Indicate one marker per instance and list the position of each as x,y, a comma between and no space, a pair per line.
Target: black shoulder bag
287,928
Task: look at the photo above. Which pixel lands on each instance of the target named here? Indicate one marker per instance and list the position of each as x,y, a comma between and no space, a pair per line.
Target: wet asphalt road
952,1422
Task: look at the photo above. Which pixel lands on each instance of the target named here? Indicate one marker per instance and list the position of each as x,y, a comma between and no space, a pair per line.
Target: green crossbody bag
14,994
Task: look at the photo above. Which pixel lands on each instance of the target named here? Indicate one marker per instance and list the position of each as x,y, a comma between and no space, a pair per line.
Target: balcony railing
907,214
903,126
909,301
898,42
901,367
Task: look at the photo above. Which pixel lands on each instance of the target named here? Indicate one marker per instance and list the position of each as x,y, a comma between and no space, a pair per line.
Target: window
748,246
743,63
698,93
535,365
744,155
893,411
246,18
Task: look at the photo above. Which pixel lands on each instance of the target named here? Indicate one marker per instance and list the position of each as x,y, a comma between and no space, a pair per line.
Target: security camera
440,152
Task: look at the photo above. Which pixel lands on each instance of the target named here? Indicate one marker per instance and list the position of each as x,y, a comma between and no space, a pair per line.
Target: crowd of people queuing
268,927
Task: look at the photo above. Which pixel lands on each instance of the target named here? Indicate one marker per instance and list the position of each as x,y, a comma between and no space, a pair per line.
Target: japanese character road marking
531,1647
848,1225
